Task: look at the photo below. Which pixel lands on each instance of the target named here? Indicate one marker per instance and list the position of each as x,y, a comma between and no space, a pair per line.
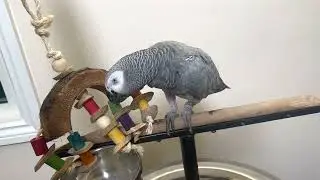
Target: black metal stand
189,157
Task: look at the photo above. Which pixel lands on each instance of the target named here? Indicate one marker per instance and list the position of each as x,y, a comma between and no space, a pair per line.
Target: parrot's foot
170,117
186,116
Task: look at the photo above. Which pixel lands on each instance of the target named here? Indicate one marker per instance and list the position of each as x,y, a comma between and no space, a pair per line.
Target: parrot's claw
170,117
186,116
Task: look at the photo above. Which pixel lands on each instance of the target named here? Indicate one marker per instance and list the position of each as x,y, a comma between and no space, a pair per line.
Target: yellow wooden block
116,135
143,104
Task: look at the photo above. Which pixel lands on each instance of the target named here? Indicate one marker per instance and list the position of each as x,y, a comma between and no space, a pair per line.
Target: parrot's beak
116,97
109,89
113,92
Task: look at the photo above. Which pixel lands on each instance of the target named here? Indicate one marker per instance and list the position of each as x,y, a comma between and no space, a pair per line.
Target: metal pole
189,157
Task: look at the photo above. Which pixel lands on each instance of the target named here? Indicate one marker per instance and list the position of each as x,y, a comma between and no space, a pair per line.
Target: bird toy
121,114
81,148
60,65
55,110
148,113
50,158
99,116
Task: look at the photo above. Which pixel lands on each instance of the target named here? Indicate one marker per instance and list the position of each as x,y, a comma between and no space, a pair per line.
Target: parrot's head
130,74
117,90
116,83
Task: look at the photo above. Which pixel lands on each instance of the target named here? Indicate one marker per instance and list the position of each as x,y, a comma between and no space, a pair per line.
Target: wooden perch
224,118
56,109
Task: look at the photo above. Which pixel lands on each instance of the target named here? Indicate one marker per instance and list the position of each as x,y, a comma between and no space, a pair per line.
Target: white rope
41,24
139,149
150,121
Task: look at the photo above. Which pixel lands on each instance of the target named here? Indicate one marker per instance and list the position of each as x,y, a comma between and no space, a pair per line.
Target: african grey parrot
176,68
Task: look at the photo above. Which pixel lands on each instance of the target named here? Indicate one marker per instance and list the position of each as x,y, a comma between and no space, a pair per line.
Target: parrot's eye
114,81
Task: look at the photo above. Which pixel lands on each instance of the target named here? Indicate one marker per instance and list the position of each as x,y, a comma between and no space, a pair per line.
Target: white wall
263,49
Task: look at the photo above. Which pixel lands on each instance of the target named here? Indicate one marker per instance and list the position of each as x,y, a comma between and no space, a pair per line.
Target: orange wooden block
87,158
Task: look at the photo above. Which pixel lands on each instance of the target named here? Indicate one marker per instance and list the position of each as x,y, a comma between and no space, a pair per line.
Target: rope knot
42,24
139,149
150,121
56,55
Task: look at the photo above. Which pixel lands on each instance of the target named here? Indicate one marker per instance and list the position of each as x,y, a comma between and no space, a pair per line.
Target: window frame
19,117
3,98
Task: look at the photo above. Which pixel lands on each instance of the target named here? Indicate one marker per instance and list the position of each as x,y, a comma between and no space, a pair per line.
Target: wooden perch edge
223,118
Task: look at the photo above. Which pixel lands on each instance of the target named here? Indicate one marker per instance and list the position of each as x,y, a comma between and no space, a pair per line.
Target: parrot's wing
168,75
195,81
199,76
189,72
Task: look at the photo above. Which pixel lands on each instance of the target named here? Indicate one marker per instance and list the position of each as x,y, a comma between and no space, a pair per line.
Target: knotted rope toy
41,24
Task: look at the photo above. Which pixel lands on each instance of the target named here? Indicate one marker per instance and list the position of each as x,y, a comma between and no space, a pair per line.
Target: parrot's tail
222,86
226,86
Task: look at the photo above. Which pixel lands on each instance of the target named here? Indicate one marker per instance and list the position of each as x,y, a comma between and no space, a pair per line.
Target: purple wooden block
126,121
